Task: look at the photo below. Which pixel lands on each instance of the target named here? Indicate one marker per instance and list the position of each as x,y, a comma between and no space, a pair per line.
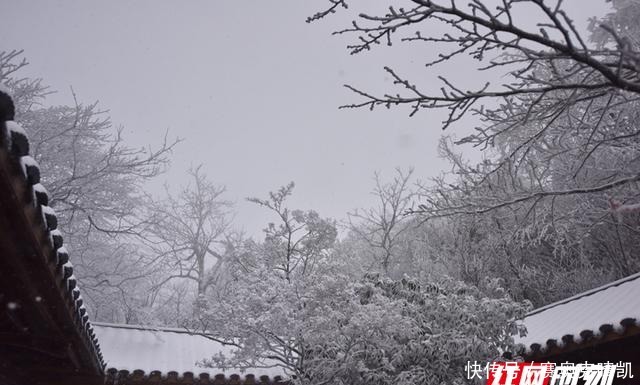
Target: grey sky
251,88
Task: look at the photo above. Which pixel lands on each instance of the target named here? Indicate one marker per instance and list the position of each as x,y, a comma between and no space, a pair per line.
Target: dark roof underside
45,334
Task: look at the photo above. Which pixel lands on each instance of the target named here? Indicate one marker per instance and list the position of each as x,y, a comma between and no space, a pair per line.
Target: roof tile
611,308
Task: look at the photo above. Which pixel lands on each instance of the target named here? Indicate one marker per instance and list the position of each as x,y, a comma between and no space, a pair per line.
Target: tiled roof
30,205
612,309
172,355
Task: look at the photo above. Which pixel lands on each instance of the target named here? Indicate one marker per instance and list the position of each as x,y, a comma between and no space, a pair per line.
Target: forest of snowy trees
438,271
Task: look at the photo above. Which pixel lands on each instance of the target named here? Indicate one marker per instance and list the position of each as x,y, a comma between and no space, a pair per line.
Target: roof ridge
151,328
586,293
117,375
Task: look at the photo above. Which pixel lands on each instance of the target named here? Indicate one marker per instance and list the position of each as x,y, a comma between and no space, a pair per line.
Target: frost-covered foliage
554,205
560,185
333,328
404,332
327,325
299,240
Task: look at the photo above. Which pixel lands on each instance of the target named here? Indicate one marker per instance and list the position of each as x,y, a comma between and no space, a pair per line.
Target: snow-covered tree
193,233
382,227
295,244
562,91
558,185
327,325
333,328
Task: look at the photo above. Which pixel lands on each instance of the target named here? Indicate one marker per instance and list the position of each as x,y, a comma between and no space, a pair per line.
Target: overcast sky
251,88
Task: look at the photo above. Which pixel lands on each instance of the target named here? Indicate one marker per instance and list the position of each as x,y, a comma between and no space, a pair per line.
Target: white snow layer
40,188
48,210
127,347
15,127
608,304
27,161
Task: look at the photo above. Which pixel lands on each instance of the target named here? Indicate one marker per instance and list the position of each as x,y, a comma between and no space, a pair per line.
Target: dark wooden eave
45,336
610,346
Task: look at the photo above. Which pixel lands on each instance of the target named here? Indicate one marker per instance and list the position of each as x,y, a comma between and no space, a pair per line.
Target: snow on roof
594,313
131,348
